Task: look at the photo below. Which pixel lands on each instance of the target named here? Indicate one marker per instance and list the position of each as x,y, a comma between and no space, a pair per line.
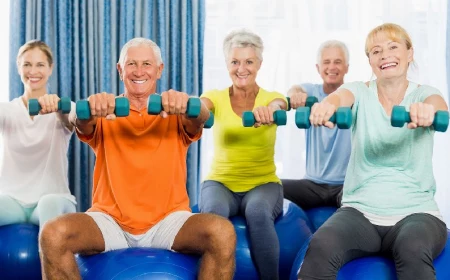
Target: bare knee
54,235
220,236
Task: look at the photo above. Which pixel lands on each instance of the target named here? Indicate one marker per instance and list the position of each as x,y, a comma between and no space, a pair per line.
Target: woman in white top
33,171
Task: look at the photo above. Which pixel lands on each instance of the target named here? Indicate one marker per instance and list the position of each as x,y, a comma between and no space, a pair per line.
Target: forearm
278,104
66,119
437,101
294,89
340,98
84,127
194,125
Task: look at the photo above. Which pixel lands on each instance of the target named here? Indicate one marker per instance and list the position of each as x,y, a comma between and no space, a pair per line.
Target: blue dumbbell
310,100
210,122
279,118
64,105
400,116
342,117
84,111
154,106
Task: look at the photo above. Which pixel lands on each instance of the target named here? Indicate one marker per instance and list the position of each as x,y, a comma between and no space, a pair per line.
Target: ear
317,67
51,70
346,68
160,70
410,54
119,69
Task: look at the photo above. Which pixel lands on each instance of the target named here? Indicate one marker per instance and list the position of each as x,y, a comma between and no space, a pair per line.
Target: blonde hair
393,31
36,44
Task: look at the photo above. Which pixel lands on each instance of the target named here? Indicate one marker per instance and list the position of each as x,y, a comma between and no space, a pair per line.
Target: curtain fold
86,38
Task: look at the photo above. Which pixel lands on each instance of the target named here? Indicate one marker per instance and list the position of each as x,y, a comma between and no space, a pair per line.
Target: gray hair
140,42
242,38
333,44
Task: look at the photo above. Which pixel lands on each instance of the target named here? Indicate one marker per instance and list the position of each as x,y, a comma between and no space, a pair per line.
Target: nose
241,67
138,71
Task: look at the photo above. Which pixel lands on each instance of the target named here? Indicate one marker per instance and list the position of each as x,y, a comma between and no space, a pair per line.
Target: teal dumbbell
210,122
84,111
64,105
279,118
154,106
400,116
310,100
342,117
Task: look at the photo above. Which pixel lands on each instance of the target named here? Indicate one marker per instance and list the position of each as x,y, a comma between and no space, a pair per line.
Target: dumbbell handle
342,117
440,122
122,108
154,106
310,100
279,118
64,105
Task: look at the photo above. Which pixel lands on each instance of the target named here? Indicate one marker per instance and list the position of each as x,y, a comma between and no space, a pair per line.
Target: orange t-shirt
140,170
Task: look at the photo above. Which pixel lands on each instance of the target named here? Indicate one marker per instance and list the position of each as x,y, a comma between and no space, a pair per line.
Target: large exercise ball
19,253
377,268
293,229
319,215
138,264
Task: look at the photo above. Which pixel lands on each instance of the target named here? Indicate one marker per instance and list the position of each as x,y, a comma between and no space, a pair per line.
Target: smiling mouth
332,74
388,65
138,81
34,79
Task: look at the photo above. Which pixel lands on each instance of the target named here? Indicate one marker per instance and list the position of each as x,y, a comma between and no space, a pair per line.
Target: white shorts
160,236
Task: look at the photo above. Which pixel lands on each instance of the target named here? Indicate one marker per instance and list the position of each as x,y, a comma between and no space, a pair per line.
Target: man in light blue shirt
327,150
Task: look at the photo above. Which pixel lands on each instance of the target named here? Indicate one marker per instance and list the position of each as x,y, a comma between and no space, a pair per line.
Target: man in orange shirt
139,193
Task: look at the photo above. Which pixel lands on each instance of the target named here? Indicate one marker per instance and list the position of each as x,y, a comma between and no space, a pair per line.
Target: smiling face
332,66
140,71
34,69
389,57
243,66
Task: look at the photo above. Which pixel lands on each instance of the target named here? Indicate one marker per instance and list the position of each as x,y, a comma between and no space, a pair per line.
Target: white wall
292,30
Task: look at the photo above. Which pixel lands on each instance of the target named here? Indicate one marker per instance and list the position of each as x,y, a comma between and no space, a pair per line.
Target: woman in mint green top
242,178
388,203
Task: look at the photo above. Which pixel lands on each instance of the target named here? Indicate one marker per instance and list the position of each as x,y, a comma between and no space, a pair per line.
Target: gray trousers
413,243
260,207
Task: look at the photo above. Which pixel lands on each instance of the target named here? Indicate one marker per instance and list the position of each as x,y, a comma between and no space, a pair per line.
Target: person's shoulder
215,93
265,92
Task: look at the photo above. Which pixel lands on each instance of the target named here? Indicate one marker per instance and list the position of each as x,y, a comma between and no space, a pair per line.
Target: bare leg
63,237
215,239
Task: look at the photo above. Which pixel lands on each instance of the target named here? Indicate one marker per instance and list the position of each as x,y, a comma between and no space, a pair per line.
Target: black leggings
307,194
413,243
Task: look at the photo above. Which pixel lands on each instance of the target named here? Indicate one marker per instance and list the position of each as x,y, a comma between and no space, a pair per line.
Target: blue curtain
86,37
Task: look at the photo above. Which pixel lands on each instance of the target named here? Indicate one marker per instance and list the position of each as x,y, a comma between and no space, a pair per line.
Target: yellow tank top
243,156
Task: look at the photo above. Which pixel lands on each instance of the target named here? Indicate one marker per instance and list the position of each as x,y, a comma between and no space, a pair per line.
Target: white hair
140,42
333,44
242,38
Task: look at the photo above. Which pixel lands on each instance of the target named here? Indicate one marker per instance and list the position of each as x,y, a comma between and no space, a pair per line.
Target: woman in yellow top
242,178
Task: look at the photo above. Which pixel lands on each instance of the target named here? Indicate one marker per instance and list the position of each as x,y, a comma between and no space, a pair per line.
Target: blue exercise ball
19,252
138,264
292,227
319,215
377,268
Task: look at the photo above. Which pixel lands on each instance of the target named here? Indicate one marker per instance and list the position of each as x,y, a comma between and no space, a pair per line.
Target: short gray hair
242,38
140,42
333,44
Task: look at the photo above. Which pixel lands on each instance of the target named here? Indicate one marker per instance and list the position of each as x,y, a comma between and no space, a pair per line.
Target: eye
131,63
146,63
375,52
393,47
249,62
234,62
